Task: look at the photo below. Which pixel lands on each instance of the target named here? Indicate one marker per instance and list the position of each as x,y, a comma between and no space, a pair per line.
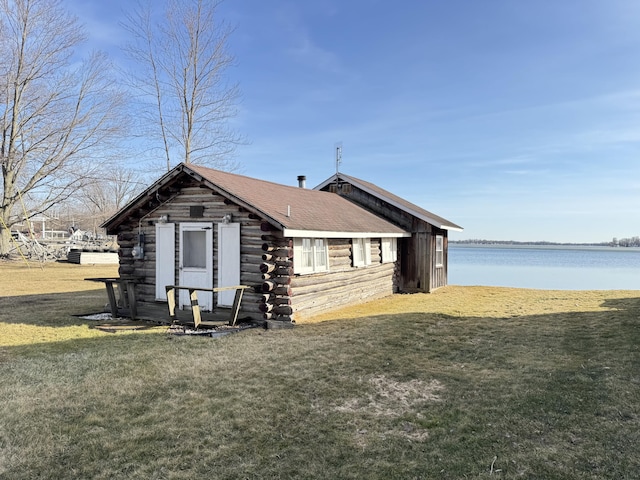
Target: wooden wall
294,297
266,261
418,270
178,210
343,285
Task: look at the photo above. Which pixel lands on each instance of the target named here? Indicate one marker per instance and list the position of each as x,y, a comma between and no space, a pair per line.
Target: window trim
298,255
389,249
364,252
439,251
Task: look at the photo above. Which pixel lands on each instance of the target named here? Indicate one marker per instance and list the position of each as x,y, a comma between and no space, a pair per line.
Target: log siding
178,211
344,284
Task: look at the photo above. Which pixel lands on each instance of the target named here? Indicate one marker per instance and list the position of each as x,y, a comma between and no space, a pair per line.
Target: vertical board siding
417,265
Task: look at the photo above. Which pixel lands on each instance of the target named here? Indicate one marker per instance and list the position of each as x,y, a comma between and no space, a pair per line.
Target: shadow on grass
51,309
46,322
626,304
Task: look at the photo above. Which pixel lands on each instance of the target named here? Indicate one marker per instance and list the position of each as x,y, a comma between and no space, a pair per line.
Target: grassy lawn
467,382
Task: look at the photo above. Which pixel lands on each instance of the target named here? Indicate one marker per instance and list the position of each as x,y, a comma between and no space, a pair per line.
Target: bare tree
180,71
57,112
101,199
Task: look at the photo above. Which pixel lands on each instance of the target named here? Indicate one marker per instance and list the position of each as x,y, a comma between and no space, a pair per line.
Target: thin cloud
301,46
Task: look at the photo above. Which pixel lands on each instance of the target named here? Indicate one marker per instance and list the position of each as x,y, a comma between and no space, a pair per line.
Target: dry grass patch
18,278
493,302
392,398
37,302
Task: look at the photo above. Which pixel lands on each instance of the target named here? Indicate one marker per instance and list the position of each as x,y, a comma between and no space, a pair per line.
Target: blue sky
518,120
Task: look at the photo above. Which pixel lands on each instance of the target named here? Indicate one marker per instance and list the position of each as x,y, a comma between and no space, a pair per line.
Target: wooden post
171,301
112,298
131,295
235,308
195,308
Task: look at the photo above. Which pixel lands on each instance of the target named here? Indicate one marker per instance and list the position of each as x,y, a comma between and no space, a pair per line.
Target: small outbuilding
424,255
303,251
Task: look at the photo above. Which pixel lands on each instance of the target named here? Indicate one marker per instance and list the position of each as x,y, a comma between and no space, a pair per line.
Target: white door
228,261
165,258
196,262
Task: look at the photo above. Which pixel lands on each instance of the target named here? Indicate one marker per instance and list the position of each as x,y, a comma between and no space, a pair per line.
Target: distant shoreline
536,244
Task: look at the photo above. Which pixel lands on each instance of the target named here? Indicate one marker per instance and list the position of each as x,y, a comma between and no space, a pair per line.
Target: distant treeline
626,242
616,242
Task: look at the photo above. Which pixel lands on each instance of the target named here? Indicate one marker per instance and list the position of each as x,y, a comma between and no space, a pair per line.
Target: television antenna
338,158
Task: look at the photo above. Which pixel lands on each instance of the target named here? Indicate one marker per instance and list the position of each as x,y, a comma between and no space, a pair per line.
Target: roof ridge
247,177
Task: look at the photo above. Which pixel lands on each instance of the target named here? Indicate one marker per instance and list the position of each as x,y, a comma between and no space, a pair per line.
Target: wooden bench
127,291
195,308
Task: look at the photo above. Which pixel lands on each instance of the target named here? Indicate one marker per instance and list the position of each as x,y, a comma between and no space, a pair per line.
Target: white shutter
297,255
367,251
356,252
165,258
389,250
228,261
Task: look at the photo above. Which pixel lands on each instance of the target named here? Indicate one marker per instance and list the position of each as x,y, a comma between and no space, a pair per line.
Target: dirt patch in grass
391,398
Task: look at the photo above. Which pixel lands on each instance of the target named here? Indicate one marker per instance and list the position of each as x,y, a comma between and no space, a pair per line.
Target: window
310,255
361,250
307,254
195,248
439,250
389,250
321,255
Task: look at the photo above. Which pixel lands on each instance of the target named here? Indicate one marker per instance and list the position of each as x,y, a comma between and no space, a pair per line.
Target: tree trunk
5,241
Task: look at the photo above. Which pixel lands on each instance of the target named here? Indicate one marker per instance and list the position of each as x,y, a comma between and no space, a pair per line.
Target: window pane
194,249
321,258
389,250
366,249
439,250
307,253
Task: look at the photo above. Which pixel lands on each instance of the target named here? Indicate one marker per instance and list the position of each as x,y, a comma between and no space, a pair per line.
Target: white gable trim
287,232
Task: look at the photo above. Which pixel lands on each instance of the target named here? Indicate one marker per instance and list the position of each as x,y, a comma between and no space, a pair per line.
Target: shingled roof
296,211
394,200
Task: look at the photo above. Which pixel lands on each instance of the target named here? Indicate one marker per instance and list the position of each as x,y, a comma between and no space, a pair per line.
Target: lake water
545,267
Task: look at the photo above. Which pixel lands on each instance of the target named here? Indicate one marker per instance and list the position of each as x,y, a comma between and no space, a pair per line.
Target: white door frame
201,275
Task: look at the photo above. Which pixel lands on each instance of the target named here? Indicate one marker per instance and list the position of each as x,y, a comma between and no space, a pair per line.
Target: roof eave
390,201
121,214
119,217
297,233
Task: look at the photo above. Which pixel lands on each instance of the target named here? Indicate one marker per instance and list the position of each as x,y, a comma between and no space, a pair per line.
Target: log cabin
303,251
